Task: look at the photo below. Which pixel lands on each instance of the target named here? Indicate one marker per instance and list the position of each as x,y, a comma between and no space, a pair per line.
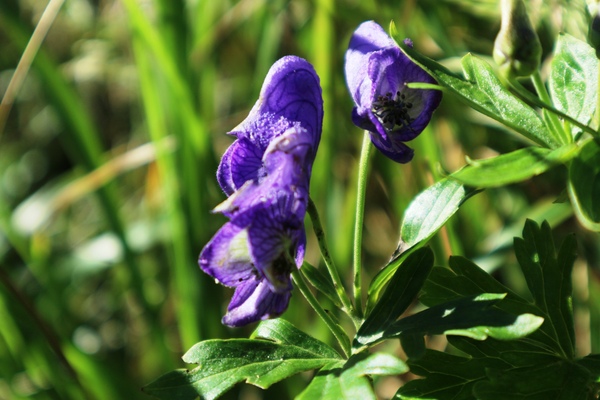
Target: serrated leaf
283,332
505,354
473,317
447,377
542,366
464,278
548,278
573,81
484,92
558,380
584,185
399,294
223,363
513,167
349,381
591,363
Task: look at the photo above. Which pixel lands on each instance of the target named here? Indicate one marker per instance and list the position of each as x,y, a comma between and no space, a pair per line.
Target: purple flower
290,97
266,174
377,72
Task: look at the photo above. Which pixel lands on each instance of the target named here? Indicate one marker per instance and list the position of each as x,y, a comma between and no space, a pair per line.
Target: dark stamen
392,111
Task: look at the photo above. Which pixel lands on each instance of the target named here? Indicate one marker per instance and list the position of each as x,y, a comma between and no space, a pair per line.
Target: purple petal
367,38
397,151
273,244
390,70
291,91
245,162
285,175
224,171
253,301
290,156
227,257
290,99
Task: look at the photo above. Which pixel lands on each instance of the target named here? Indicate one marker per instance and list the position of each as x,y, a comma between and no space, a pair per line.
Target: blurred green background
107,176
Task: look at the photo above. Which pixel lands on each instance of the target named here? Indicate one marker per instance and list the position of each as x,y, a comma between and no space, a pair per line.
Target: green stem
336,329
331,268
363,169
554,125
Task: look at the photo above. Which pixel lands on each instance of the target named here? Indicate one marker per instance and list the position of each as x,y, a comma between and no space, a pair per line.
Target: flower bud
517,49
594,32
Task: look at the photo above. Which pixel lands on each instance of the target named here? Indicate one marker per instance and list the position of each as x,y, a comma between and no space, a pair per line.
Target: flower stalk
334,327
363,172
348,308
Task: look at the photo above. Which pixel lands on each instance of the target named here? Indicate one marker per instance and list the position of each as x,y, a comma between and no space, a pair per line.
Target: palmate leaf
543,365
223,363
447,377
471,316
558,380
548,277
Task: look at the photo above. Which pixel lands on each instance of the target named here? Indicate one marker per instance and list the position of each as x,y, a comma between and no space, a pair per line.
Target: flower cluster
377,72
266,173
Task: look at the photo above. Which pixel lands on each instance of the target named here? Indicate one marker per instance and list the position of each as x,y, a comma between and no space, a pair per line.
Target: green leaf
413,345
592,363
349,381
473,317
513,167
223,363
327,380
558,380
584,185
447,377
548,278
430,210
399,294
321,282
573,80
281,331
484,92
504,354
463,278
542,365
424,216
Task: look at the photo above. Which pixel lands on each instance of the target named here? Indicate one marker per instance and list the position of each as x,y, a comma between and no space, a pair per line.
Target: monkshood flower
290,97
266,173
377,72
